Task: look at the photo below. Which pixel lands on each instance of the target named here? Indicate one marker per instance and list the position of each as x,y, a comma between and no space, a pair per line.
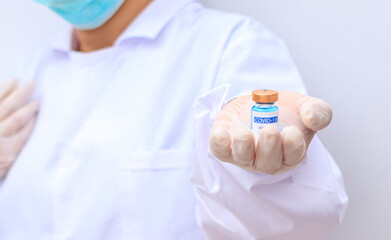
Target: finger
294,146
269,150
243,147
18,140
220,144
315,113
13,147
19,119
15,100
7,87
5,163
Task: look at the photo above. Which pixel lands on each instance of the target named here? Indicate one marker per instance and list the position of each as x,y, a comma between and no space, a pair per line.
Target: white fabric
118,138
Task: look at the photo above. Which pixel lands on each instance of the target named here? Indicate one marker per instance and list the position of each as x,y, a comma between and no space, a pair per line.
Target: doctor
143,131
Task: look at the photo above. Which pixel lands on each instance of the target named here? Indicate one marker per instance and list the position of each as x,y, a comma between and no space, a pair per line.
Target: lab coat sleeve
232,203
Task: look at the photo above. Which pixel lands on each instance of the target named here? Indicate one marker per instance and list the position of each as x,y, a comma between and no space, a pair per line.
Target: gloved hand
272,152
17,118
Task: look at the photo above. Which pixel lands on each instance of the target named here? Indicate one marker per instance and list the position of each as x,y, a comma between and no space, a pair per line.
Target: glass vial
264,112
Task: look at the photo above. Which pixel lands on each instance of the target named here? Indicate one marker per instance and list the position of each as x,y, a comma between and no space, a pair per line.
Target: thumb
315,113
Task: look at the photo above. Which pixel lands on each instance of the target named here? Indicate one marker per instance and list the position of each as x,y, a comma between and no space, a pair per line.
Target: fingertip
13,81
243,147
220,136
292,134
10,82
269,133
316,114
7,87
220,143
29,85
294,145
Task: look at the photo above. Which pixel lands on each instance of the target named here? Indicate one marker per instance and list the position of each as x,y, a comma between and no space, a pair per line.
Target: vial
265,111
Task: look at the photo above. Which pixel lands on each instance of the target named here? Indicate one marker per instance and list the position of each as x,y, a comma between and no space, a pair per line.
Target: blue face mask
84,14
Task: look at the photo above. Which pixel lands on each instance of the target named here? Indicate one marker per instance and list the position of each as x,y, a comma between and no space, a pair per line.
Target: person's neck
105,35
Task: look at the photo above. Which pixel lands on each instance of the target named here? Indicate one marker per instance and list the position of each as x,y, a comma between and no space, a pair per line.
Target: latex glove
272,152
17,118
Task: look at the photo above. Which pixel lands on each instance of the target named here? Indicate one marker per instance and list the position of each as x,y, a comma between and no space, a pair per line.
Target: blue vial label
261,119
266,120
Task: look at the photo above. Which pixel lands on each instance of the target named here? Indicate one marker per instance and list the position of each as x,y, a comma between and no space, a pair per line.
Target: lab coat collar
153,19
150,22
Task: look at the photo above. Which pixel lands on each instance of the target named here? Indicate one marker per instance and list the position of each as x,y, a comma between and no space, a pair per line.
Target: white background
343,50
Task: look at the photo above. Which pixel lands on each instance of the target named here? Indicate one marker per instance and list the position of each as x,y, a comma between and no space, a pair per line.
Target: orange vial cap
265,96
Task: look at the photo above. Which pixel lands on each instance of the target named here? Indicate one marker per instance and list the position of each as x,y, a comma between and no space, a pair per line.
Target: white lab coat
120,149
